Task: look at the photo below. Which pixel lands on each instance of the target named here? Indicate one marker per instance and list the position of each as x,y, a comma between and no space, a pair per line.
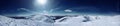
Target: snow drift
44,20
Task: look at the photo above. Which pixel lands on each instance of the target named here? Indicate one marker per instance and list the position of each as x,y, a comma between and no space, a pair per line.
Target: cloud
25,9
68,10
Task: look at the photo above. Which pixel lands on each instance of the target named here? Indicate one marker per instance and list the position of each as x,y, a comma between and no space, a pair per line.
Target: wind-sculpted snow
6,21
45,20
90,21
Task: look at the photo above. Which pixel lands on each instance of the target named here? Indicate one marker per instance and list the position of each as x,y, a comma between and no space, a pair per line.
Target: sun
43,2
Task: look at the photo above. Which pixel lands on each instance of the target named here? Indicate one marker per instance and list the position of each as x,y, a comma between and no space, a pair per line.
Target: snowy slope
6,21
93,21
43,20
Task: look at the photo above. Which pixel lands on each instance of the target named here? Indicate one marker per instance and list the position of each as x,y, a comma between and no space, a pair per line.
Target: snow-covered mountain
65,20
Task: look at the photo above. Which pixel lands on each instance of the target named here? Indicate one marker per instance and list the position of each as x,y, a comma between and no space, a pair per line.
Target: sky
16,7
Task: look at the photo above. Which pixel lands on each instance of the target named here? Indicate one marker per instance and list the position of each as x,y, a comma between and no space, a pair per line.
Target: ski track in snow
65,21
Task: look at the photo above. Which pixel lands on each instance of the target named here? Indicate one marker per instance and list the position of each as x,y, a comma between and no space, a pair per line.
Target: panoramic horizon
59,13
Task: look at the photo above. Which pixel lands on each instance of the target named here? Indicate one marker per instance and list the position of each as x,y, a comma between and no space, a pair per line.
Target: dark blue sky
78,6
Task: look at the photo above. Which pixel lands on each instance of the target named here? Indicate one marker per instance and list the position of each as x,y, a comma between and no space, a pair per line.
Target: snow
102,21
6,21
43,20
